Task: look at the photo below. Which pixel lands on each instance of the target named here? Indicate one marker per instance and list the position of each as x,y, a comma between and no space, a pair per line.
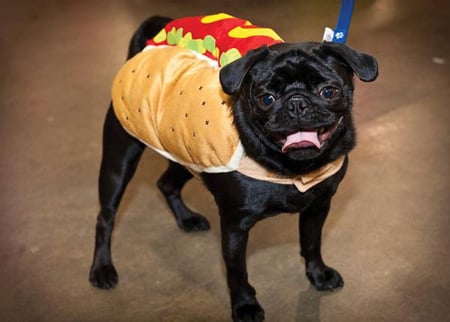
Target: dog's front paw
324,278
248,313
104,276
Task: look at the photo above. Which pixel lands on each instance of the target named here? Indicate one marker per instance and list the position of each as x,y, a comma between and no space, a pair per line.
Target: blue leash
340,32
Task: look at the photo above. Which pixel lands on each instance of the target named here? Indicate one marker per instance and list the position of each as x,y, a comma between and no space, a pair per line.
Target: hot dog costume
170,98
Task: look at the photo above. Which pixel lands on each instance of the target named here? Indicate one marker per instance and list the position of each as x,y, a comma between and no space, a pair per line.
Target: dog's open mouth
309,138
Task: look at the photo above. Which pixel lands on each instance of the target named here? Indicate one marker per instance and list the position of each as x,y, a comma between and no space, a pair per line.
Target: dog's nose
298,103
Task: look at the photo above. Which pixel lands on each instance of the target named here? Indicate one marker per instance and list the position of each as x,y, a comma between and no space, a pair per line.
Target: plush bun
173,102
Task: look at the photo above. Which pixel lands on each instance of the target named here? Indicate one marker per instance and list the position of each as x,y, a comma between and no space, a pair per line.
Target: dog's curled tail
147,30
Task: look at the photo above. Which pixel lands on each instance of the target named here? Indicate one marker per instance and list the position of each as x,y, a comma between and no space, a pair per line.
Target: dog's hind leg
171,184
121,154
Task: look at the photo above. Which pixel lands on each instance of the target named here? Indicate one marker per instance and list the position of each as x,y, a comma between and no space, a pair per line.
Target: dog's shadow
308,305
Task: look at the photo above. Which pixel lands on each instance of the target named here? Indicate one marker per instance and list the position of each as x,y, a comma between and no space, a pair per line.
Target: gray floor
388,233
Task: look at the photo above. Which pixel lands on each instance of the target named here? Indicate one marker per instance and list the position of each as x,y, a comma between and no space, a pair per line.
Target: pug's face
293,102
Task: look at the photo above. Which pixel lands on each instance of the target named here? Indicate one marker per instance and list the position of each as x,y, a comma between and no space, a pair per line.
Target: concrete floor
388,233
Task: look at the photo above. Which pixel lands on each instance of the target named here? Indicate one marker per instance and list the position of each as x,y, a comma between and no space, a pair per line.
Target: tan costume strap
303,182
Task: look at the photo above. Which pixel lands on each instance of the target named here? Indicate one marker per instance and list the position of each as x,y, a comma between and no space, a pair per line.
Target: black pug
277,92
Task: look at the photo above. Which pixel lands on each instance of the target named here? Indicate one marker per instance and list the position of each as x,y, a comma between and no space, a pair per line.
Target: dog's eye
267,100
329,92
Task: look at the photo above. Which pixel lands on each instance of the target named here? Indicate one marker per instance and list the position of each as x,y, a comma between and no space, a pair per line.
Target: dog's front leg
312,220
244,305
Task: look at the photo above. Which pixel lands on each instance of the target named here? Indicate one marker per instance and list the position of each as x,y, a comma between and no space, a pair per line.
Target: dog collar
303,182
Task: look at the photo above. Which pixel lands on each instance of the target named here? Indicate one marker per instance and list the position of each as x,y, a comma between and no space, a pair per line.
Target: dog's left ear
364,66
232,75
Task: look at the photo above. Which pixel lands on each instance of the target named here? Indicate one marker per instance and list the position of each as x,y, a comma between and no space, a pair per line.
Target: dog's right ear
232,75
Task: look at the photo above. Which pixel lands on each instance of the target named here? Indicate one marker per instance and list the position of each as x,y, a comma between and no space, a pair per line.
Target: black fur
243,201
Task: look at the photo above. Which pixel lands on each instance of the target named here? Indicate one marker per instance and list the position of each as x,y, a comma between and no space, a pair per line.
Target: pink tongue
301,139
